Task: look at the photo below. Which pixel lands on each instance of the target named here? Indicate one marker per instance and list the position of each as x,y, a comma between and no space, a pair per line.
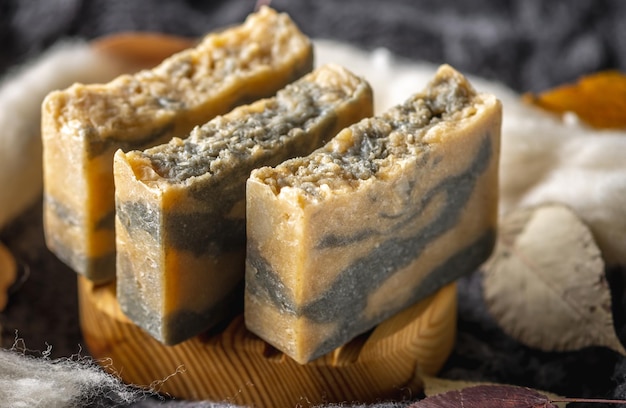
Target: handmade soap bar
84,125
388,211
180,207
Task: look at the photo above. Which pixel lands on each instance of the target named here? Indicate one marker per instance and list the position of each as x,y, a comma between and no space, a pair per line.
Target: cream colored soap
180,207
391,209
84,125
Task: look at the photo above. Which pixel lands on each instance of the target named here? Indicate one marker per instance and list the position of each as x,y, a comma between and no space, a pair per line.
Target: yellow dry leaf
8,273
598,99
545,283
143,50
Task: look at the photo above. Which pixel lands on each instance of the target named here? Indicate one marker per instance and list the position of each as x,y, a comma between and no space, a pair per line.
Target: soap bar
180,207
388,211
83,125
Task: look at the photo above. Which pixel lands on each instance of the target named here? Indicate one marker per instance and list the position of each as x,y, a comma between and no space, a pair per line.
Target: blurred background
528,44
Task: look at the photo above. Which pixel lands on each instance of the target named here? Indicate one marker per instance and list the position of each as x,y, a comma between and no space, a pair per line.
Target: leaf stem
591,400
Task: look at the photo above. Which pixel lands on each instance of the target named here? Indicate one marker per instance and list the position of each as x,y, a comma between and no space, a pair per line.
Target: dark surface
527,44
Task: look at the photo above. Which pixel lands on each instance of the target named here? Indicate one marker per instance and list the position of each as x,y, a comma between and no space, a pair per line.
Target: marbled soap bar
387,212
180,207
84,125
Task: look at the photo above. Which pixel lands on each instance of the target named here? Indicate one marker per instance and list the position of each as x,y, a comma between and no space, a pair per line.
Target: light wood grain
237,367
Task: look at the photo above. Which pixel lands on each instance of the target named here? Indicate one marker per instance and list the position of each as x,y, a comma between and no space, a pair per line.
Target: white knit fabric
40,382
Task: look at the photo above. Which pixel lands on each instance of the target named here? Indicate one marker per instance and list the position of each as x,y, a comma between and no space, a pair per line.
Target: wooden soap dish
237,367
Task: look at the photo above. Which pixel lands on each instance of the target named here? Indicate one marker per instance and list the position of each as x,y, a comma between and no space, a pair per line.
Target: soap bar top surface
149,97
391,209
254,130
372,147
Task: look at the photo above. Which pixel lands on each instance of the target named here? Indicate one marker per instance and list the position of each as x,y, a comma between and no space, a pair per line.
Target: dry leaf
544,159
498,396
598,99
8,274
487,396
545,283
434,385
142,49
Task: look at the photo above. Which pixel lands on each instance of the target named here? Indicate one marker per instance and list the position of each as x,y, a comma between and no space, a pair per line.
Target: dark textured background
528,44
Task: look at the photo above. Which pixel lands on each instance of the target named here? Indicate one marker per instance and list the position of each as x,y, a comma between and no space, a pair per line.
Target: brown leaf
141,49
598,99
487,396
8,273
545,283
498,395
435,385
